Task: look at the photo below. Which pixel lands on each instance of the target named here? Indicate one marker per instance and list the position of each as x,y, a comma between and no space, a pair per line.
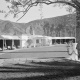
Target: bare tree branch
76,2
27,4
26,11
61,1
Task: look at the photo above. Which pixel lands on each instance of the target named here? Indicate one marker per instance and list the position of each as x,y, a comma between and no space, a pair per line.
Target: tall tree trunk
78,30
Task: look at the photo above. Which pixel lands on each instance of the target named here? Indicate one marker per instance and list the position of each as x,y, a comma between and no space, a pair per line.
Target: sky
48,11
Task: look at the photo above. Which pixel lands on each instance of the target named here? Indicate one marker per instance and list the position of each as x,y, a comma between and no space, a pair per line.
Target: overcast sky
34,13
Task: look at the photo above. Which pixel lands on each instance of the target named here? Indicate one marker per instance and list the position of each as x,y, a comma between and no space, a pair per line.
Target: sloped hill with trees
7,27
56,26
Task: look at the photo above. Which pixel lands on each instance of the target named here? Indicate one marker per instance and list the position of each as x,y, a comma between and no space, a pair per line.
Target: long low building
39,40
43,46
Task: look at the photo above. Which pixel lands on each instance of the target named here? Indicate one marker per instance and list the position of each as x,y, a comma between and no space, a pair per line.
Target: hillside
56,26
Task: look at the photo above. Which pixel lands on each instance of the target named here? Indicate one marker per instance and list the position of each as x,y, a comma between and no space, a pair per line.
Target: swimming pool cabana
9,41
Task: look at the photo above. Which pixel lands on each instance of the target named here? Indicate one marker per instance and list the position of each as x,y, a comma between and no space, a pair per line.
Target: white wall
24,39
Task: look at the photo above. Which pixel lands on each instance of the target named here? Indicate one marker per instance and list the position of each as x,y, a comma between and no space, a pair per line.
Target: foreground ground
17,66
41,69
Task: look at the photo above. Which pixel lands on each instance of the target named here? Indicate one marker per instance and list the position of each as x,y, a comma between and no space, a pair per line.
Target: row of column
5,43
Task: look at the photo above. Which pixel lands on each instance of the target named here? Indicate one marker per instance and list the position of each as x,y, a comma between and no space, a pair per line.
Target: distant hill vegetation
57,26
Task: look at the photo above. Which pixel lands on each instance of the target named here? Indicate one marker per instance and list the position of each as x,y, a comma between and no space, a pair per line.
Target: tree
27,4
59,29
52,29
29,42
46,28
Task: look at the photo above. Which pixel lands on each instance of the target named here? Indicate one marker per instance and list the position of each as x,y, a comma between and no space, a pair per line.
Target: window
58,41
73,40
53,41
63,41
37,40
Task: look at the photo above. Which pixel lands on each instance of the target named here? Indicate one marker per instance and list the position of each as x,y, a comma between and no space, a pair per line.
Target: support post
3,45
12,43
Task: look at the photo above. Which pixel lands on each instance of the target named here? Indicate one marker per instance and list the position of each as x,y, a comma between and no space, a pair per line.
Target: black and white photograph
39,39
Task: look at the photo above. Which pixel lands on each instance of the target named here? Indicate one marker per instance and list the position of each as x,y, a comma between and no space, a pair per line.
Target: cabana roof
10,37
16,37
1,37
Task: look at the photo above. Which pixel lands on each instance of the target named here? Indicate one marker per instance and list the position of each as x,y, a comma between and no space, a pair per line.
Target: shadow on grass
55,70
62,76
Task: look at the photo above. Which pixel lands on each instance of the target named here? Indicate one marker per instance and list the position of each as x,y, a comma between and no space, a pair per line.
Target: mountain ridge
47,26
